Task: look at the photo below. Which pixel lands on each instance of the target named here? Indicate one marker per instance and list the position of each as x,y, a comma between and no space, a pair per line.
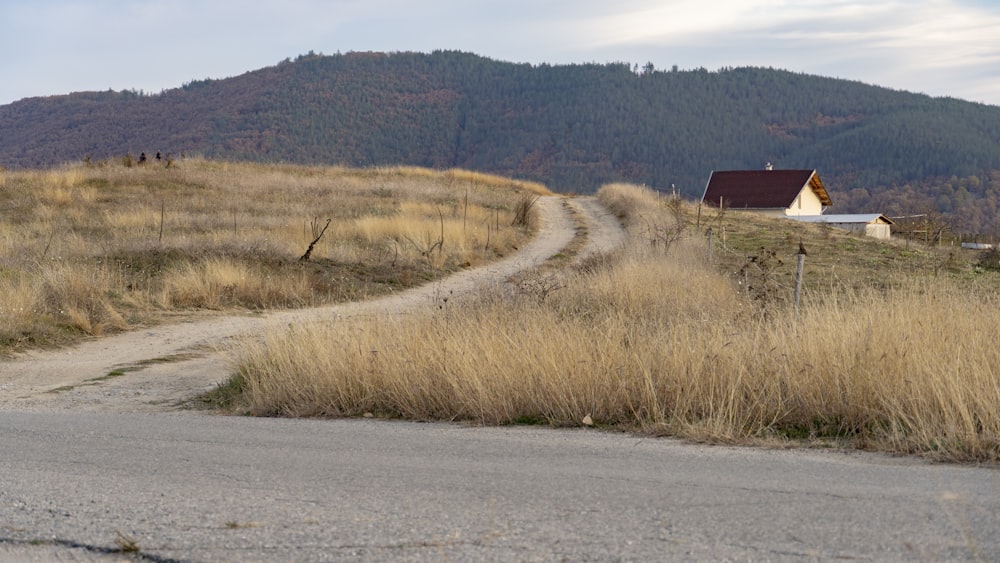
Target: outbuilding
874,225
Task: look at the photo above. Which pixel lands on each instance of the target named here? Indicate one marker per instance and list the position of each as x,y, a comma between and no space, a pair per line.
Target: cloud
943,47
688,22
936,46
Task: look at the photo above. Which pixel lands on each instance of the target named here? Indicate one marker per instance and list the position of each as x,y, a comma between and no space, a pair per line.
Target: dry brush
656,339
97,247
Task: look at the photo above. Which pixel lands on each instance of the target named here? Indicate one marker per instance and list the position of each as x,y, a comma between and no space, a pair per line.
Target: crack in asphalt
96,549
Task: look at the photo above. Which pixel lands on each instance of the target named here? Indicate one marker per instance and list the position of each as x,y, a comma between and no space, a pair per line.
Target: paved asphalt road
197,487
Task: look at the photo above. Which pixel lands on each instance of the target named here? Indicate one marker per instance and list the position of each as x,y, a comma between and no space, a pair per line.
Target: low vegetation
891,348
93,248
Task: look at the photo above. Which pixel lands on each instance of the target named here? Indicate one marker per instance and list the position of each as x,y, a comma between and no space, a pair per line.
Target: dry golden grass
657,340
87,249
20,301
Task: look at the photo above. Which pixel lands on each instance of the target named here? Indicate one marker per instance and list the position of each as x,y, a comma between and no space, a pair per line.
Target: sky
936,47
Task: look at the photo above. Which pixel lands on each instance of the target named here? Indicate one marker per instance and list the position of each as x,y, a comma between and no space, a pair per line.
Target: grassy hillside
86,250
572,127
888,350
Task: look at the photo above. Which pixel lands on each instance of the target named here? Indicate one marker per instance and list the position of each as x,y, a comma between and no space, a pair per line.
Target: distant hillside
573,127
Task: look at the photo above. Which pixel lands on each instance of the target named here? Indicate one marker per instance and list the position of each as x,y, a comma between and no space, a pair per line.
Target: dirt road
157,369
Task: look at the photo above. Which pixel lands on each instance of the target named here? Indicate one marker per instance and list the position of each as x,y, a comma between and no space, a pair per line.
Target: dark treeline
573,127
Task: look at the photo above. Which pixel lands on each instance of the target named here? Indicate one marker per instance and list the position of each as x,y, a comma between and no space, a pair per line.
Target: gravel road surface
211,488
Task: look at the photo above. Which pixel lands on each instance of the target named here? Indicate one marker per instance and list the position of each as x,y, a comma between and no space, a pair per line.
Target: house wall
806,203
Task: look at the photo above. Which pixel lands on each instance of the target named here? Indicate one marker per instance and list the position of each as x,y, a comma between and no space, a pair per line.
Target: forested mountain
573,127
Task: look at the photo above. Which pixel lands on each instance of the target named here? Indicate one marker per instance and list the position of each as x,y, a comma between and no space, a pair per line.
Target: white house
779,193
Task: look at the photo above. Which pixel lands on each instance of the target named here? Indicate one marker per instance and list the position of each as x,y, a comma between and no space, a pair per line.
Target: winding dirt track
162,368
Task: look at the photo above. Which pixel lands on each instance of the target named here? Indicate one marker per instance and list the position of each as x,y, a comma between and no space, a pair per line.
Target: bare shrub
522,210
661,235
539,286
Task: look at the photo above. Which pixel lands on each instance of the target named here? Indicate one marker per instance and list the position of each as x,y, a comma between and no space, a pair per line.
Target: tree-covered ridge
573,127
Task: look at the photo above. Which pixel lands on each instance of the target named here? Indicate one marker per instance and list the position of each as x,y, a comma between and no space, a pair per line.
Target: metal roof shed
874,225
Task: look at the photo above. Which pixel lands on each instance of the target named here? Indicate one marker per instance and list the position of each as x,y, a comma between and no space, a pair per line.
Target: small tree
317,234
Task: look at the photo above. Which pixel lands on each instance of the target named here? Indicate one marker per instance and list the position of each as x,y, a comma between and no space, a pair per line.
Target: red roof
762,189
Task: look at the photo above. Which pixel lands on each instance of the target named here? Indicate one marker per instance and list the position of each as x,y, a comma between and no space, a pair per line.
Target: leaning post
708,234
798,274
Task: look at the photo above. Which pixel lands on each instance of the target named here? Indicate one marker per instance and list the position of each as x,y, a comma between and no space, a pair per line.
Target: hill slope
573,127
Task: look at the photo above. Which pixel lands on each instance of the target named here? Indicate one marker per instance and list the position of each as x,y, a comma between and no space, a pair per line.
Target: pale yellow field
87,249
656,339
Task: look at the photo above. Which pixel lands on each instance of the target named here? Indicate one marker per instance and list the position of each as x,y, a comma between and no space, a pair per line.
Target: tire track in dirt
158,369
604,231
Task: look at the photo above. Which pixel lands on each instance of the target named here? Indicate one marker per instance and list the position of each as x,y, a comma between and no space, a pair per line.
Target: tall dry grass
114,246
660,341
20,303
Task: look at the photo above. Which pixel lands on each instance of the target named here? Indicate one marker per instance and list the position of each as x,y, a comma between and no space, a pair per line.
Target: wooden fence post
708,234
798,275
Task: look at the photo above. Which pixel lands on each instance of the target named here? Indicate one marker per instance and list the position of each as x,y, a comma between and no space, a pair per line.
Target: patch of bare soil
164,368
